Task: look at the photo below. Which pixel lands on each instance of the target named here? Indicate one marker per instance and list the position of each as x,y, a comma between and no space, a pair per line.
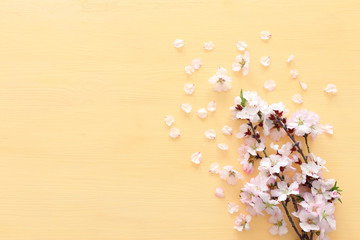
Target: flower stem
307,144
291,221
256,138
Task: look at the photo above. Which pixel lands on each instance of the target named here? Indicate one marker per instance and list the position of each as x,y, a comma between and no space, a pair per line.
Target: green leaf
243,100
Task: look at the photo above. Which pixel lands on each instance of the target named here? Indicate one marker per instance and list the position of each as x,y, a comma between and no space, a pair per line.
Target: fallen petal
265,61
214,168
241,45
186,107
202,113
196,63
174,132
189,69
196,158
211,106
303,85
209,46
294,73
270,85
178,43
327,128
233,207
189,88
219,192
290,59
331,88
297,99
169,120
223,146
227,130
210,134
265,35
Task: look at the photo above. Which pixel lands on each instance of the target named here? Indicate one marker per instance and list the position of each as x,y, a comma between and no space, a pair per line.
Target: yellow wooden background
84,87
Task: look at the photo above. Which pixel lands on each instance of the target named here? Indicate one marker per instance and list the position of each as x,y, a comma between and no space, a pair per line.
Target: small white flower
223,146
265,35
202,113
270,85
290,59
233,207
210,134
230,175
214,168
265,61
174,132
196,158
227,130
303,85
242,63
189,69
294,73
189,88
331,88
284,190
242,223
297,99
178,43
221,80
186,107
196,63
241,45
219,192
209,45
169,120
211,106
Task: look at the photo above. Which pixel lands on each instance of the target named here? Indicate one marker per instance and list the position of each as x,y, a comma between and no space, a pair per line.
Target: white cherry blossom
202,113
230,175
221,80
242,223
279,224
227,130
209,46
242,63
270,85
174,132
189,88
265,35
265,61
210,134
169,120
186,107
283,190
211,106
196,157
297,98
331,88
178,43
241,45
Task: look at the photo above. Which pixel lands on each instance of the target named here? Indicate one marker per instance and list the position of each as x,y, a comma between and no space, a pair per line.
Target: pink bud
248,168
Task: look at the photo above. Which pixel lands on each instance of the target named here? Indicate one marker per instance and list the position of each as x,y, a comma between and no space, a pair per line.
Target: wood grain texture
84,87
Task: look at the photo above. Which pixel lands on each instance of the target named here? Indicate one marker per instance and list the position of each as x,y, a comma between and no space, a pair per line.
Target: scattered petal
189,69
297,99
196,158
327,128
331,88
227,130
189,88
270,85
214,168
265,35
178,43
294,73
210,134
174,132
223,146
186,107
233,207
196,63
202,113
219,192
209,46
211,106
290,59
265,61
303,85
169,120
241,45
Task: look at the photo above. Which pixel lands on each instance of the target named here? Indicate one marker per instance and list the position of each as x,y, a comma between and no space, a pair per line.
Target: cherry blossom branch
256,137
306,141
291,220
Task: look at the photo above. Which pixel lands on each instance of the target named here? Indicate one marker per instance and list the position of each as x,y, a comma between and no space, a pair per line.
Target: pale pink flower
211,106
265,35
269,205
265,61
294,73
242,223
174,132
284,190
290,59
233,207
196,63
248,167
178,43
227,130
273,163
241,45
270,85
303,121
279,224
242,63
169,120
311,169
297,98
331,88
186,107
303,85
308,221
189,69
196,157
245,130
223,146
255,146
230,175
209,46
221,80
189,88
202,113
214,168
210,134
219,192
327,217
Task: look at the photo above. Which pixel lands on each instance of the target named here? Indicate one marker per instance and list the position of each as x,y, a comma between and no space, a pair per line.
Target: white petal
214,168
294,73
209,46
265,61
331,88
210,134
189,88
289,60
236,67
196,158
233,207
265,35
219,192
169,120
174,132
297,99
227,130
327,128
202,113
186,107
270,85
303,85
189,69
223,146
196,63
211,106
178,43
241,45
